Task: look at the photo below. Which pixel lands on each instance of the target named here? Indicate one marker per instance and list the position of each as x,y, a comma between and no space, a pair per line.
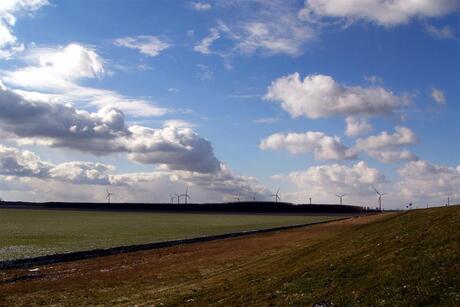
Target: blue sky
230,97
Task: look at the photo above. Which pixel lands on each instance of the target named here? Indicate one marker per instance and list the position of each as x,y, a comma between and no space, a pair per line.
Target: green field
31,233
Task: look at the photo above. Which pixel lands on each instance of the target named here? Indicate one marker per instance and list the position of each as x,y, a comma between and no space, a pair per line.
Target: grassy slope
28,233
410,258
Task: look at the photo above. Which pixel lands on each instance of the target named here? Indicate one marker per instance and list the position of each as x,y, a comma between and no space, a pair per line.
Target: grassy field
394,259
30,233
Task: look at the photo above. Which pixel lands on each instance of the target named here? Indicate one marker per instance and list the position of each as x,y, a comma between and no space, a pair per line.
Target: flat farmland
30,233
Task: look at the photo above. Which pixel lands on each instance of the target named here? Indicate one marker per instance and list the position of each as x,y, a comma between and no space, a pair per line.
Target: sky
232,99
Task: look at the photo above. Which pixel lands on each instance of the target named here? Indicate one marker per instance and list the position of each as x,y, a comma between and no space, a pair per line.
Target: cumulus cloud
24,163
426,182
402,136
34,175
176,148
382,12
9,9
146,44
54,74
14,162
388,147
323,146
438,96
392,155
357,126
103,132
321,96
325,181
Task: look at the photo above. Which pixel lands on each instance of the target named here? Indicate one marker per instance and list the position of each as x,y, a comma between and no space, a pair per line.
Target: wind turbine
172,198
277,198
238,197
254,196
340,196
109,195
178,198
380,197
186,196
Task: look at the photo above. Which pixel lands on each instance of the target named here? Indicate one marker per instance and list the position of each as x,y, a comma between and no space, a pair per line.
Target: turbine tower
178,198
238,197
186,196
340,196
172,198
380,197
109,195
277,198
254,196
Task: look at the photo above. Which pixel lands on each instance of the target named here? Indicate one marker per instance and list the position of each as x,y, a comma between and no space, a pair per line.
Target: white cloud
402,136
200,6
258,27
175,148
205,44
445,32
357,126
69,63
323,146
281,37
14,162
56,71
9,9
103,132
387,147
23,163
429,183
438,96
321,96
382,12
146,44
271,35
323,182
24,172
392,155
179,123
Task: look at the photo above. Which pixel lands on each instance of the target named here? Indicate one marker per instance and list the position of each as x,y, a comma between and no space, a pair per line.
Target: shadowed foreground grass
397,259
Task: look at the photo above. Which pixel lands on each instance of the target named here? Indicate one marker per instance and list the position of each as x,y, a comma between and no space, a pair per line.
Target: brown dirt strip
163,276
